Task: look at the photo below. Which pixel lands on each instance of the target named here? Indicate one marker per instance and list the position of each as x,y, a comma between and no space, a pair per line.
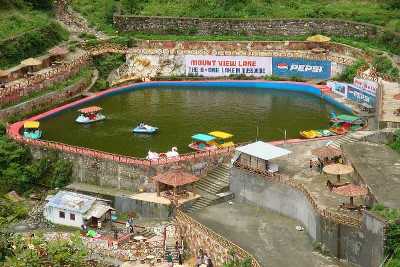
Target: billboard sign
214,66
338,88
304,68
358,95
367,86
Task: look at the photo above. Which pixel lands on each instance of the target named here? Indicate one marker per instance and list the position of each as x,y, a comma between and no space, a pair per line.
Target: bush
351,71
30,44
384,65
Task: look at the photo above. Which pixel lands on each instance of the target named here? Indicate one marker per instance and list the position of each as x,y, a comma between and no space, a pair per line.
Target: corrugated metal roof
71,201
97,211
263,150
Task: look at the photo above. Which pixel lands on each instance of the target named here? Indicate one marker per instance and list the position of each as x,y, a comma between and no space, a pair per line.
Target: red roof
176,178
351,190
92,109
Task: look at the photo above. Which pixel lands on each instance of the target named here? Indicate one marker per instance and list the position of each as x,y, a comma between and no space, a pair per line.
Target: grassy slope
99,12
16,21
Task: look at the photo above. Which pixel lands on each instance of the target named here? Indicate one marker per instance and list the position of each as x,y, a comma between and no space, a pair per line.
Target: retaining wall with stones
42,102
212,26
134,177
361,244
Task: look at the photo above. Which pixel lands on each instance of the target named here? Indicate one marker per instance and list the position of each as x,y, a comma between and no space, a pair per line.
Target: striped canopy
92,109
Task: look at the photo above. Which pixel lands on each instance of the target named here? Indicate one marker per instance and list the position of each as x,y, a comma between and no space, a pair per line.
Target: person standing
170,260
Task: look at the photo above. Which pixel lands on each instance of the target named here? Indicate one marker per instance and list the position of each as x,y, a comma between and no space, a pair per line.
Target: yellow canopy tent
31,124
220,134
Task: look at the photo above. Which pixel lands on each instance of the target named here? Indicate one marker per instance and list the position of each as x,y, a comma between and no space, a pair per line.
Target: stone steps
217,181
345,139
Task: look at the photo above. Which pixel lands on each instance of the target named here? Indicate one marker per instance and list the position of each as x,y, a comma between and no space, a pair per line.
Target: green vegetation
99,13
396,144
19,172
35,251
10,212
27,30
384,65
105,64
375,12
351,71
235,262
392,246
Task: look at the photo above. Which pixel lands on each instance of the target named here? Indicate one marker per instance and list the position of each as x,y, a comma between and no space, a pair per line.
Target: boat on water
173,153
310,134
203,142
222,139
145,129
31,130
90,114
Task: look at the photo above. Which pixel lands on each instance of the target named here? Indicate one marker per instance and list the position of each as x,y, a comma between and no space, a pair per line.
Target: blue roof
203,137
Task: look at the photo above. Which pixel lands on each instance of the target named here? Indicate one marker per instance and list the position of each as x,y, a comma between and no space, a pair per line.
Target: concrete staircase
146,232
171,249
345,139
210,187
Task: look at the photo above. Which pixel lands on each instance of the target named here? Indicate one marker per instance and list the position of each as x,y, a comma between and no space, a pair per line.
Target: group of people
179,250
202,259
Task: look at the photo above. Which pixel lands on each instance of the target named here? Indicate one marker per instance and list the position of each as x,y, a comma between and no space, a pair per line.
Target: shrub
351,71
384,65
30,44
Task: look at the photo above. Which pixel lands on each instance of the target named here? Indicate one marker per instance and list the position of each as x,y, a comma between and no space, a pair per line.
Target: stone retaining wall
212,26
198,236
361,244
42,102
109,173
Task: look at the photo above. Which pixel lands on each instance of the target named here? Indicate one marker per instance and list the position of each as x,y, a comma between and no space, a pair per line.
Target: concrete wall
108,173
53,214
142,208
211,26
361,246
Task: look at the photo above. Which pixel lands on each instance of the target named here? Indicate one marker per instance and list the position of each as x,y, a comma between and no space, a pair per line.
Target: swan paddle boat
90,114
145,129
173,153
31,130
203,142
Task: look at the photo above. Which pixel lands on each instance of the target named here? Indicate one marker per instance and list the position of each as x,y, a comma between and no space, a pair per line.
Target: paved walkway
270,237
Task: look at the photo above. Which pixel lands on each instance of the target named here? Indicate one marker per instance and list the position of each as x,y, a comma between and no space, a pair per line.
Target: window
62,214
72,217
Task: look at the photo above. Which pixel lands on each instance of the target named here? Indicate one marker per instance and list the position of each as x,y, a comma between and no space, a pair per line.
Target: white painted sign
338,88
367,86
214,66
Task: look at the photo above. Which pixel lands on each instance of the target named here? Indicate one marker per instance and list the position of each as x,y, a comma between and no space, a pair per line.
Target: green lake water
181,112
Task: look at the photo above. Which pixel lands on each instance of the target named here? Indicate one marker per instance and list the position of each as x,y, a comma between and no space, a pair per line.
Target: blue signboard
360,96
298,67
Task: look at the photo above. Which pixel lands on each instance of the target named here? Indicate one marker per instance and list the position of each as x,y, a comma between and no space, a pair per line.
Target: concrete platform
270,237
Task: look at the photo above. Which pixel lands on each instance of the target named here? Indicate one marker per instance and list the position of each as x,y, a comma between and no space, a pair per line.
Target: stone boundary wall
359,241
323,212
218,26
14,91
122,172
198,236
45,101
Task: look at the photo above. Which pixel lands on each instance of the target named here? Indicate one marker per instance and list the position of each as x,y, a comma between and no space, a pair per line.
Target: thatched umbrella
338,169
58,51
318,38
4,75
31,62
351,191
326,152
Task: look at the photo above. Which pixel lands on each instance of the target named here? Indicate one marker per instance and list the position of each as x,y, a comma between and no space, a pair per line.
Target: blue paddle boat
145,129
31,130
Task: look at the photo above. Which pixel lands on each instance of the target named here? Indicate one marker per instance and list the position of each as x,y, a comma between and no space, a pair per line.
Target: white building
73,209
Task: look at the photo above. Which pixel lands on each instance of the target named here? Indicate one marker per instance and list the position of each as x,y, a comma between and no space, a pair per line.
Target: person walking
170,260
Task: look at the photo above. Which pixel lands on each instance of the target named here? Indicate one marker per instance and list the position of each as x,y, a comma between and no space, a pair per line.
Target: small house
73,209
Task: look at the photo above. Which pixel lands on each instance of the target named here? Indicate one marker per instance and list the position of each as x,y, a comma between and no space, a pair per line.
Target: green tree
351,71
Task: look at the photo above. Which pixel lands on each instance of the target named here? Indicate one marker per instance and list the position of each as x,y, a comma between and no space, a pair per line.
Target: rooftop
71,201
379,168
263,150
